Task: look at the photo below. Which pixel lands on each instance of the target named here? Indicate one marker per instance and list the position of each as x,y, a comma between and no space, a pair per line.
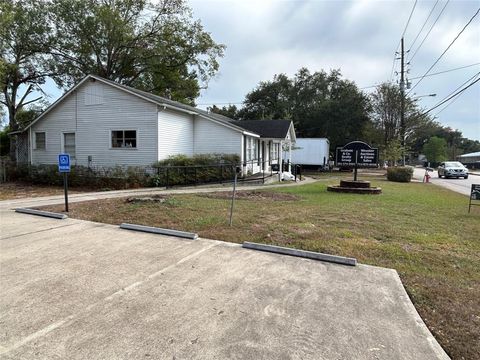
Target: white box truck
312,152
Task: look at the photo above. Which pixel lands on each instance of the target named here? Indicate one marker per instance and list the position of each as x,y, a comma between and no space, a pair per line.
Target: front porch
266,156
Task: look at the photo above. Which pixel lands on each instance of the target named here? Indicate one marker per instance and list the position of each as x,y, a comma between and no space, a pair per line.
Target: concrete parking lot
73,289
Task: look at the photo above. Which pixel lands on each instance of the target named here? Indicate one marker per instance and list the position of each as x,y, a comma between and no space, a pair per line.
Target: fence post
166,180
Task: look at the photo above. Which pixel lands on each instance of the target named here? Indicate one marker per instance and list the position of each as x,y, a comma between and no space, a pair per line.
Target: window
40,141
274,151
255,149
250,148
124,139
69,144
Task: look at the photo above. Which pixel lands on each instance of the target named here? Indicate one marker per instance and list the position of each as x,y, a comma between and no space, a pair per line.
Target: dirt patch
253,195
147,199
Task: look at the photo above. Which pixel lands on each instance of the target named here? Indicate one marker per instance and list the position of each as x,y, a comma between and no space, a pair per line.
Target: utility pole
402,101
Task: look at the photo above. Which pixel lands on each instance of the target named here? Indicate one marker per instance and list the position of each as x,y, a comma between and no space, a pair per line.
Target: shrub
400,173
82,176
197,169
199,159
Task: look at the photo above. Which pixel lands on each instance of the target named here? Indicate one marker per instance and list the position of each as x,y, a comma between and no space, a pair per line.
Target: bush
199,159
82,176
400,173
197,169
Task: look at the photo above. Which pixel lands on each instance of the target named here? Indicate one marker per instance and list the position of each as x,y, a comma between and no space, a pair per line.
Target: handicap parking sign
64,163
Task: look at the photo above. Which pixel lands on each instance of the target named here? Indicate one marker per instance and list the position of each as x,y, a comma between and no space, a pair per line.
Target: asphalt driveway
73,289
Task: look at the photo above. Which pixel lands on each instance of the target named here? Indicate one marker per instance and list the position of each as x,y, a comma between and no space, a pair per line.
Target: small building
101,123
471,160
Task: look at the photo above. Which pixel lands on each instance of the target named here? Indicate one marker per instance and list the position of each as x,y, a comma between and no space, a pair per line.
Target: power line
432,74
465,82
454,95
446,106
446,71
448,47
409,18
428,33
404,30
425,23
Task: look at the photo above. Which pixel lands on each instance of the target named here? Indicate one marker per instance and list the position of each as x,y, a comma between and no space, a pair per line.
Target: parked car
452,169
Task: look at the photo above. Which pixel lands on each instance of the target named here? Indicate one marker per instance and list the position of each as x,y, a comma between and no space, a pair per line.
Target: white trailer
311,151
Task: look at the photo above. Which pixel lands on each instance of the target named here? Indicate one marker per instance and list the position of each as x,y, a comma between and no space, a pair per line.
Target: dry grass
19,190
421,230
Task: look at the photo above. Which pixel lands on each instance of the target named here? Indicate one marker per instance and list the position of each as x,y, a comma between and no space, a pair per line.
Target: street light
420,96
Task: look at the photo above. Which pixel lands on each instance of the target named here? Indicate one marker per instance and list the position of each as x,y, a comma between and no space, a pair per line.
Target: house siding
93,120
210,137
175,134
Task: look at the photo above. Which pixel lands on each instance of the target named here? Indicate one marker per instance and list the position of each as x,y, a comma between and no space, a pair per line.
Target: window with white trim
125,139
274,150
69,144
40,141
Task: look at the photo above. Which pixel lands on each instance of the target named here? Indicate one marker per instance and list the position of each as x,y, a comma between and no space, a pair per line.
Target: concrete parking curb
301,253
161,231
41,213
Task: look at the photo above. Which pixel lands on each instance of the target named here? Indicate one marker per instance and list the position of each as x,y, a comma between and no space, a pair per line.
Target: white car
452,169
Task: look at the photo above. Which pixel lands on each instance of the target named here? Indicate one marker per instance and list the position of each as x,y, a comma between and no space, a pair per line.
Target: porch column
280,155
289,156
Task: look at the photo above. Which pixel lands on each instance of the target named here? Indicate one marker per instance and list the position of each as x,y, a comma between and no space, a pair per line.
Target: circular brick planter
355,187
354,184
351,190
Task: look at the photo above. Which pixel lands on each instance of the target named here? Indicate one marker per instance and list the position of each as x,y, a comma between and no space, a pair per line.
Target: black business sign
356,153
474,195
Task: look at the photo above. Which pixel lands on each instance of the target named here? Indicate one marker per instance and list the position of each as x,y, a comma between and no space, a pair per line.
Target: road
462,186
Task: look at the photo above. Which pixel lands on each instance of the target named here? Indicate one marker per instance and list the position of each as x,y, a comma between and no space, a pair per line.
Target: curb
160,231
301,253
41,213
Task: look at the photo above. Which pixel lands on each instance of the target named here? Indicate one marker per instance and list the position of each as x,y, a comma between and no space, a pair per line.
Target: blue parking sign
64,163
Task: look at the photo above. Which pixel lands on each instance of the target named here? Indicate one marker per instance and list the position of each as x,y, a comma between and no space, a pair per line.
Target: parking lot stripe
70,318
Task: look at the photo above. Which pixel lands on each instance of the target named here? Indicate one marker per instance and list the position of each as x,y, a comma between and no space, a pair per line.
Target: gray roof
474,154
269,128
276,129
161,100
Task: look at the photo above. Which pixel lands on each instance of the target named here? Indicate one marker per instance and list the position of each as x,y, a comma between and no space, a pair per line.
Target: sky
265,38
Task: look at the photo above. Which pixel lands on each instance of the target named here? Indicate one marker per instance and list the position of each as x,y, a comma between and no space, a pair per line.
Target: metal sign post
64,167
474,195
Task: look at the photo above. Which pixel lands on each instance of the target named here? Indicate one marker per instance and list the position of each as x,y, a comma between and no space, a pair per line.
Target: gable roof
264,128
276,129
161,101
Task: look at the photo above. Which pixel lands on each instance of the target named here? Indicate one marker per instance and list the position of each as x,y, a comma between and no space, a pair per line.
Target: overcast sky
264,38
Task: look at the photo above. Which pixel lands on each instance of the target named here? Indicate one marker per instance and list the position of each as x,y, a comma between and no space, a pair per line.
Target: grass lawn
19,190
421,230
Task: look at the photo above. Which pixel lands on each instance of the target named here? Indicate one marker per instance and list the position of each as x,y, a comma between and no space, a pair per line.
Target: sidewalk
59,199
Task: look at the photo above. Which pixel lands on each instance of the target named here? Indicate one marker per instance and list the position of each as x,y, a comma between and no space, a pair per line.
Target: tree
386,118
435,149
231,111
320,104
155,46
269,100
24,42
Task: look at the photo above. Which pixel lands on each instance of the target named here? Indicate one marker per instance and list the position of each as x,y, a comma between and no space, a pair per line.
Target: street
462,186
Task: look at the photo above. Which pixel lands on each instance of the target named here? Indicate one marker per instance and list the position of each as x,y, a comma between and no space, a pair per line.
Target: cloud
264,38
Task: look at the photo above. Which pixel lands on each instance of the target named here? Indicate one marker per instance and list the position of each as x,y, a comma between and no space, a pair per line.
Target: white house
102,123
